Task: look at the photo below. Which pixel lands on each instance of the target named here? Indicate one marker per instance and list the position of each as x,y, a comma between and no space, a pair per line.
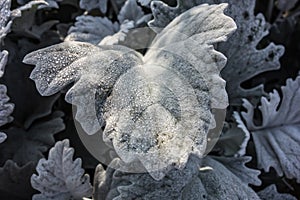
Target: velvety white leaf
244,59
91,29
60,177
155,108
270,192
5,108
23,146
15,181
200,179
277,139
92,4
3,137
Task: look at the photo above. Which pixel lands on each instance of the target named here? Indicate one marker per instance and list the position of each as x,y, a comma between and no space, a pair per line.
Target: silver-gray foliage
156,108
244,59
59,177
277,139
200,179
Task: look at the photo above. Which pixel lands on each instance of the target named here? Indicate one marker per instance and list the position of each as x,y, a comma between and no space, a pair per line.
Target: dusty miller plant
147,79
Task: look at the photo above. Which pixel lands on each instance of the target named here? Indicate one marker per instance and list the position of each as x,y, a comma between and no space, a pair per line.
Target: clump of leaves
154,105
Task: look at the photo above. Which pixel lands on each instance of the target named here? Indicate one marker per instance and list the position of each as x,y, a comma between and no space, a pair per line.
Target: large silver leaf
244,59
60,177
200,179
277,139
155,108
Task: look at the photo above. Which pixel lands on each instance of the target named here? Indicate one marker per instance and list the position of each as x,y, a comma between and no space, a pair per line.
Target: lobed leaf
60,177
277,139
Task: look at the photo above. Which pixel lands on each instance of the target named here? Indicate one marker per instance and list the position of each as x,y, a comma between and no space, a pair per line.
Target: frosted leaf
237,166
277,139
92,4
3,137
35,141
91,29
15,180
60,177
206,179
155,108
270,192
244,59
5,108
234,140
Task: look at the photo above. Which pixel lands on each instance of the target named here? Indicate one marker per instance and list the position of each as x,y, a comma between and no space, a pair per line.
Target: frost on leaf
91,29
244,59
5,108
35,141
277,139
199,179
155,108
270,192
15,180
60,177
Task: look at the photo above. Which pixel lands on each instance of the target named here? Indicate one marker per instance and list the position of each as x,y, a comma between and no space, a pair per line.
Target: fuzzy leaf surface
277,139
60,177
